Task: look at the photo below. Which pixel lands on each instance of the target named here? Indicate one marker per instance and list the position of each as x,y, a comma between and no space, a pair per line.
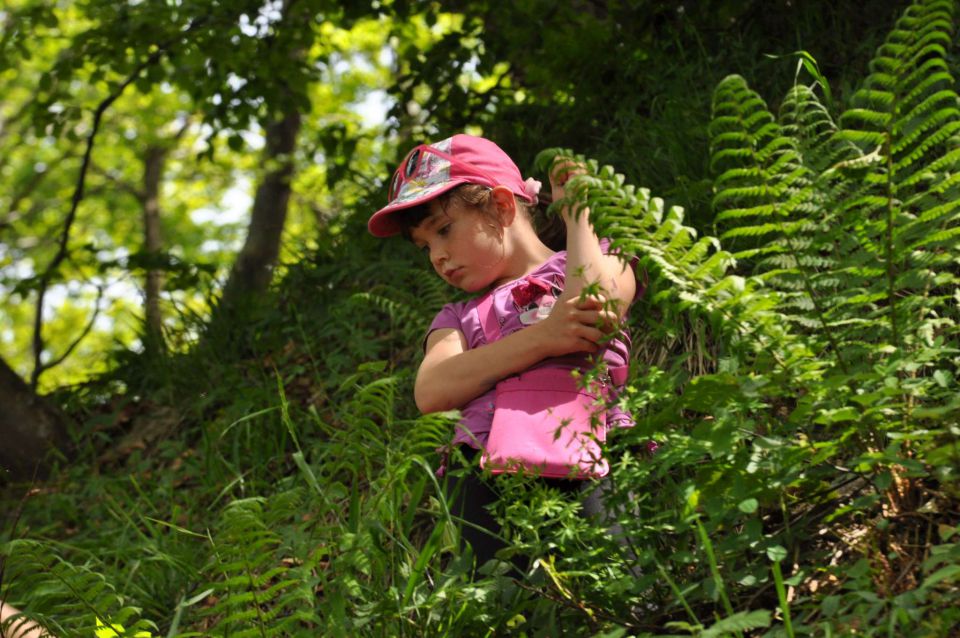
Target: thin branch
187,122
83,335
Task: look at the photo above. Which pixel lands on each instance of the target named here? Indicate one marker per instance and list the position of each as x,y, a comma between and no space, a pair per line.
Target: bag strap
488,319
618,374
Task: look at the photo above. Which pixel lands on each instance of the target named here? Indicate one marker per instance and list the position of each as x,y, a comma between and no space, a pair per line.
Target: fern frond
688,276
899,214
67,598
257,592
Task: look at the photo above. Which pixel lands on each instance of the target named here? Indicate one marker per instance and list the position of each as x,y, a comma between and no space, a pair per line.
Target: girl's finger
588,311
588,346
589,317
591,334
591,302
608,318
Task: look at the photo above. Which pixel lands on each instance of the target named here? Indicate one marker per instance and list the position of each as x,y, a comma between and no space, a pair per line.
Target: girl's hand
577,325
563,169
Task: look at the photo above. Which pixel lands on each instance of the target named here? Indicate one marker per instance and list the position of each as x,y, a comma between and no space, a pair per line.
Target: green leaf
949,573
943,378
748,506
738,622
705,393
839,415
776,553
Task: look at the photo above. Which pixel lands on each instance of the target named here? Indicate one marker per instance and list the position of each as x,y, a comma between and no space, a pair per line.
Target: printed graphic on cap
433,173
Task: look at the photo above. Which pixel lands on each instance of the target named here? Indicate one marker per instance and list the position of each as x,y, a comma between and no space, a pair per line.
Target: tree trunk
30,427
253,270
152,174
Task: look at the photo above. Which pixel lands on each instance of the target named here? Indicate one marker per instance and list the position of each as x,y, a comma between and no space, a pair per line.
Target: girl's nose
437,256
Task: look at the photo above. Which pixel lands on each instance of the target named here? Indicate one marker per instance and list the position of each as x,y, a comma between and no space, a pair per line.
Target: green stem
679,594
714,569
782,595
891,195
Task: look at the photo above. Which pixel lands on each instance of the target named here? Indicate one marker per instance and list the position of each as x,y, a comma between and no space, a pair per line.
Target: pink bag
543,422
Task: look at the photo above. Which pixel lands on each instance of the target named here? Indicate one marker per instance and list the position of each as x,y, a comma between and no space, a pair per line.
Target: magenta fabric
477,415
546,425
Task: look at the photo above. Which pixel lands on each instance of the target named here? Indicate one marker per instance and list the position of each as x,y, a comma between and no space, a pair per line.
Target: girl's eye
443,230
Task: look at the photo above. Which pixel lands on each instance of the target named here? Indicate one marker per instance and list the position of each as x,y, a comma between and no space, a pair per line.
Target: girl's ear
505,205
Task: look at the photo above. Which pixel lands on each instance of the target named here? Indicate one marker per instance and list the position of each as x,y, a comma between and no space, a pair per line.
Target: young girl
464,203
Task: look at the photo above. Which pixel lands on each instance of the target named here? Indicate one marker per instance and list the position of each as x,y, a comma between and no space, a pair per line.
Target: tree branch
83,335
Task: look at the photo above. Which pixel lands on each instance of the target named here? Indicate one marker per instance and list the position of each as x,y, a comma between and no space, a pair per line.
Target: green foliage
206,79
798,375
626,82
78,591
859,221
259,592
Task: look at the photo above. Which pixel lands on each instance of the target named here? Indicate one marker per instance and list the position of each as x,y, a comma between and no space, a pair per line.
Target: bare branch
83,335
187,122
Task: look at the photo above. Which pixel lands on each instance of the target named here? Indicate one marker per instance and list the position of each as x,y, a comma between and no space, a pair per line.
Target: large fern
864,216
904,210
768,197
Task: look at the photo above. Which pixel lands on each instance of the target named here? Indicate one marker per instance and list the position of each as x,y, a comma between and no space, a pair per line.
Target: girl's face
465,246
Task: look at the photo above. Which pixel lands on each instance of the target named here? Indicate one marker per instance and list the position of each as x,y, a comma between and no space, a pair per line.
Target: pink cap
430,170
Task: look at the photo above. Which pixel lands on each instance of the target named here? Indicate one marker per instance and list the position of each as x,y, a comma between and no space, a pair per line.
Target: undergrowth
797,375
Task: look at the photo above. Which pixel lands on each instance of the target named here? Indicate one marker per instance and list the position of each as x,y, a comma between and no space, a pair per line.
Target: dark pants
471,494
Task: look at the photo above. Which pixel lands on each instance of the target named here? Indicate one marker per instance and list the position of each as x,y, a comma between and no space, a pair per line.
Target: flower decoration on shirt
529,291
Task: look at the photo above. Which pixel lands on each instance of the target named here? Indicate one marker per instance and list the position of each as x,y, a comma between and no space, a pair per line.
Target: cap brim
383,223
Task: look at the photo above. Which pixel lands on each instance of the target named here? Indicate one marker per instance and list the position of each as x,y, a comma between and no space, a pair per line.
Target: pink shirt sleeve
448,317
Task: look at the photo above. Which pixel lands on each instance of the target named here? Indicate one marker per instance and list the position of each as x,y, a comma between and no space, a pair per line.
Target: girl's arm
452,375
586,263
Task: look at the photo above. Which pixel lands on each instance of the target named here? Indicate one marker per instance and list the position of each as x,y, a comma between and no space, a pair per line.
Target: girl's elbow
423,404
429,406
427,401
